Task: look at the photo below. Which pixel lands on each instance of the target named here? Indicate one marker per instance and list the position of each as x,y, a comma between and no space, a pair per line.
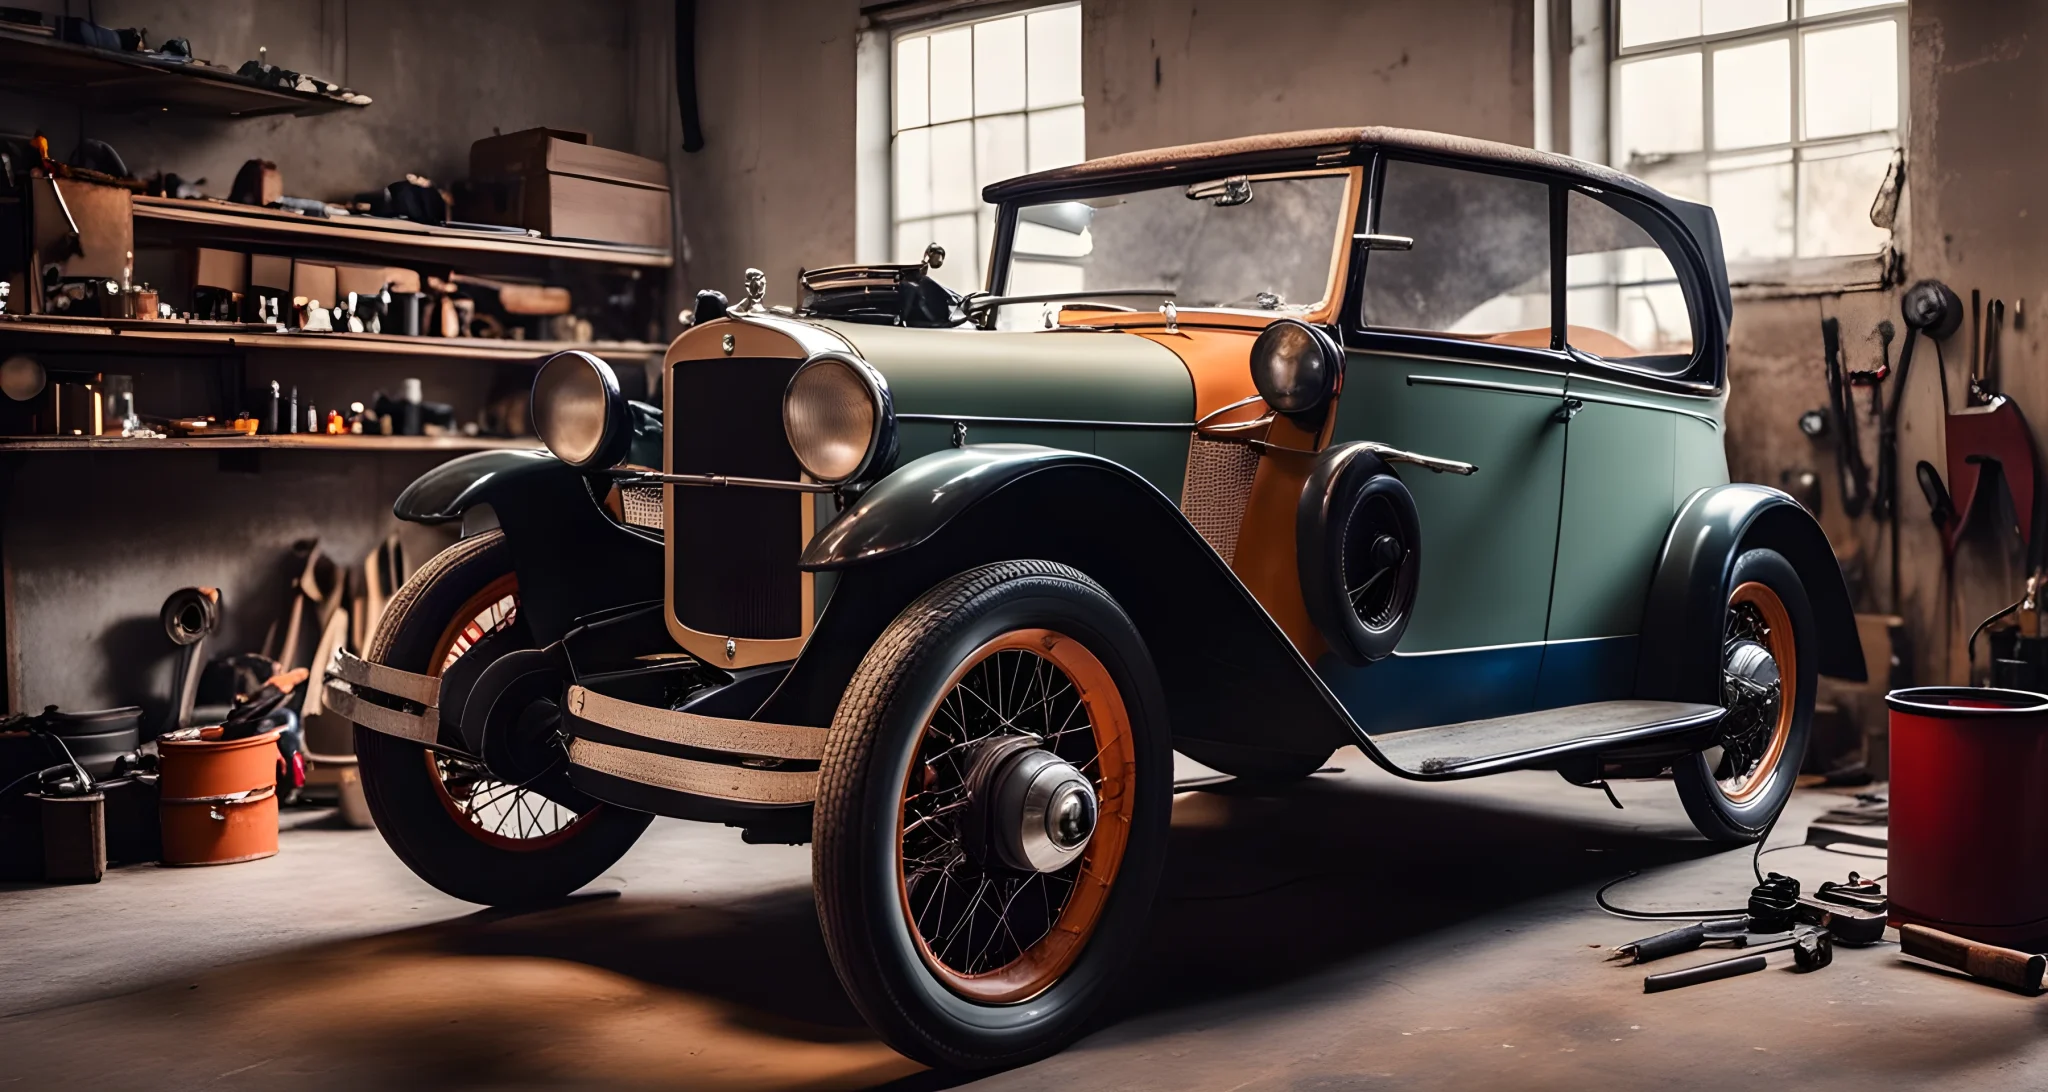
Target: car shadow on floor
658,990
1262,888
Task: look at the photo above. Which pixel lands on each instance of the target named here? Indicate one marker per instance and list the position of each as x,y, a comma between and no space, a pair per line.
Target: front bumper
741,761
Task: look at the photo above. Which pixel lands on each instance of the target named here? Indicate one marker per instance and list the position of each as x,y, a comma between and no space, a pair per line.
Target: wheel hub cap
1750,686
1035,811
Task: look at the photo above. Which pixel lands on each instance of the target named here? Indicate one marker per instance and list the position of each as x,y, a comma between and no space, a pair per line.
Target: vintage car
1249,450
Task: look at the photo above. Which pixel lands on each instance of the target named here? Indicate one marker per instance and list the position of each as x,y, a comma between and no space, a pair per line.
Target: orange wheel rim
488,806
1757,607
1010,936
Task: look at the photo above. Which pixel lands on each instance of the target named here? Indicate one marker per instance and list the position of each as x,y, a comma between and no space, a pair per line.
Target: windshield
1259,243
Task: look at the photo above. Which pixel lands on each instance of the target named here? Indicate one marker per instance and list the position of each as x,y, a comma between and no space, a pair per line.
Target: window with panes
1784,115
975,103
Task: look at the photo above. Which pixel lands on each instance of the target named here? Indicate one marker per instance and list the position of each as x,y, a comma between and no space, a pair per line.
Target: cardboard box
313,281
227,270
555,182
532,152
272,271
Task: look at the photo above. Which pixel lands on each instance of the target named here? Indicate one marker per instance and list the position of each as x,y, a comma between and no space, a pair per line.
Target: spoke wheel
1764,677
992,933
1759,686
992,815
495,812
458,823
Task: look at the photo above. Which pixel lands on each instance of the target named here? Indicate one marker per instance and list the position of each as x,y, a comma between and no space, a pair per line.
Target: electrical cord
1600,896
29,776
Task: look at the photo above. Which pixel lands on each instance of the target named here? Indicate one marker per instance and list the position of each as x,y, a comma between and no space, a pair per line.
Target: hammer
1986,962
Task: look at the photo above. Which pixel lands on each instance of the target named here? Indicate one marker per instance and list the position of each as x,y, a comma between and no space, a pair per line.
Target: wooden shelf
131,82
218,222
116,335
287,442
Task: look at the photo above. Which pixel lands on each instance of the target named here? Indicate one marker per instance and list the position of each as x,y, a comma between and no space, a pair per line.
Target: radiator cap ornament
756,288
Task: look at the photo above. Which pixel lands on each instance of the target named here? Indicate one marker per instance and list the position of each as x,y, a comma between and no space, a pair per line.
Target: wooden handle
1986,961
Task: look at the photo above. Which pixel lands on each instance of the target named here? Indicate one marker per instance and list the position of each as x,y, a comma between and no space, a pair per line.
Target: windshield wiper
975,305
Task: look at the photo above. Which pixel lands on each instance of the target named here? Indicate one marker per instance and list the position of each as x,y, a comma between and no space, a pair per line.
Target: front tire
958,955
454,824
1734,791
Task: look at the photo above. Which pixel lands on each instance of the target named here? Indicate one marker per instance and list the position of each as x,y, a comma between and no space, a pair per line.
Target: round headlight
579,413
837,416
1295,366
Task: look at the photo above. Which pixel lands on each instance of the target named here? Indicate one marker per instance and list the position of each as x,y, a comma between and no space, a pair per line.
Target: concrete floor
1356,932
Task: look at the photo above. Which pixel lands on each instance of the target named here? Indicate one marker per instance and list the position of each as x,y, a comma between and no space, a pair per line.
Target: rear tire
1734,791
407,786
895,814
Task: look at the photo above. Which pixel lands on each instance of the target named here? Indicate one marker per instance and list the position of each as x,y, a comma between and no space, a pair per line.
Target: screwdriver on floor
1811,949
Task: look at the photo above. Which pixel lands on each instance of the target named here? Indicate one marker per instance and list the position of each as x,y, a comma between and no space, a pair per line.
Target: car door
1644,433
1452,352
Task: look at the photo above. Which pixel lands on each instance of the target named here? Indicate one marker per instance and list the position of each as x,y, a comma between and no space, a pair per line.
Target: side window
1480,267
1624,301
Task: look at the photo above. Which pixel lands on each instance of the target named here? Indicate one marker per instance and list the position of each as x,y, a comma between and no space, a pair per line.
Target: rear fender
572,558
1230,674
1682,619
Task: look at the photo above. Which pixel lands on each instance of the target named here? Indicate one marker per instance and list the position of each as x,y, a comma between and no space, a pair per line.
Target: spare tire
1358,544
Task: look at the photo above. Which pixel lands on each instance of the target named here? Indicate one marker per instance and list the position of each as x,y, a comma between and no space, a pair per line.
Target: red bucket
1969,812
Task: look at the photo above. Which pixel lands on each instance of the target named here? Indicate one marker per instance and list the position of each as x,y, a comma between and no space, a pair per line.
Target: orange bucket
219,800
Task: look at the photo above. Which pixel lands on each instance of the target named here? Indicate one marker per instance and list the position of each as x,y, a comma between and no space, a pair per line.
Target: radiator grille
1219,485
735,550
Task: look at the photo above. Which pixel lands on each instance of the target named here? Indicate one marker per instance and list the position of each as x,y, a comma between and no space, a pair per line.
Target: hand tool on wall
1884,499
1811,950
1849,465
1986,962
1933,308
1993,434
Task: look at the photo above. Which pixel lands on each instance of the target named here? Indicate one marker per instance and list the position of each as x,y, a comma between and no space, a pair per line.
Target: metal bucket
1969,812
219,802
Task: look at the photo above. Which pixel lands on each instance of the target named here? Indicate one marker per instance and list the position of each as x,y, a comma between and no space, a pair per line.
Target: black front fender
572,558
1230,674
1682,620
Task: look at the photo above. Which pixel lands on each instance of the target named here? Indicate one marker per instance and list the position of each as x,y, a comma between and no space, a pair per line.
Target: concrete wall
442,75
774,185
91,544
1163,72
1976,105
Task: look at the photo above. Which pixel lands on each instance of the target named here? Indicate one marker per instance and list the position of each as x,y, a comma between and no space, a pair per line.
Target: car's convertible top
1309,148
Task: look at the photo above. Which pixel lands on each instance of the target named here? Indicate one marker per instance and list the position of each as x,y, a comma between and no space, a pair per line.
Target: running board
1546,736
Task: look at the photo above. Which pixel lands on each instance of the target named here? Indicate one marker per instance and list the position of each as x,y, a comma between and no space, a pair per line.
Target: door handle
1567,410
1427,462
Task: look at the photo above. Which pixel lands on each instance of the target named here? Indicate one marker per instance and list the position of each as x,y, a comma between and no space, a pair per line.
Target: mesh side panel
1219,485
643,506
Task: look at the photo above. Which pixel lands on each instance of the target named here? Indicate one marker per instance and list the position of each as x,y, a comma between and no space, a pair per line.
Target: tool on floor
1811,950
1985,962
1685,938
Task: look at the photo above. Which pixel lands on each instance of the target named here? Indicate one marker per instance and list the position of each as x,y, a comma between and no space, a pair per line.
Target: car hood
1035,375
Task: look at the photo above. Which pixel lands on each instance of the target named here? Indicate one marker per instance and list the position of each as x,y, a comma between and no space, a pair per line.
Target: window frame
1704,373
1792,30
965,17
